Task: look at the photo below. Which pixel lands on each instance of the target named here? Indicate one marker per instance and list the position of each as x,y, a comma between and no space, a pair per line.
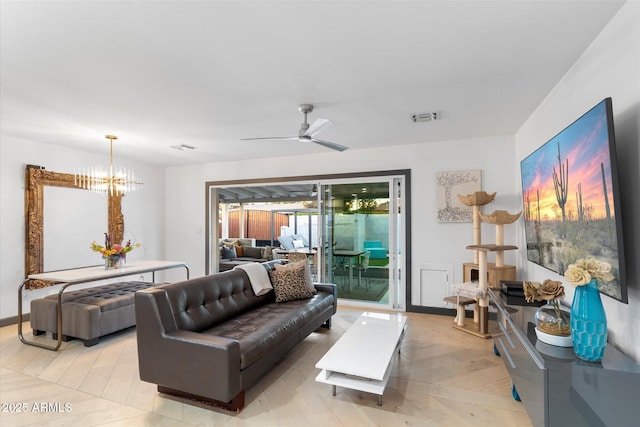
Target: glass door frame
211,214
397,240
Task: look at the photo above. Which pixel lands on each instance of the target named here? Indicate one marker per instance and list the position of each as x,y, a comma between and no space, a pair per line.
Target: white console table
77,276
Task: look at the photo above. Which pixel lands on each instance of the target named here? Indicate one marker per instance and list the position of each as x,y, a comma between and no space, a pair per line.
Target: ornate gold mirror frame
36,179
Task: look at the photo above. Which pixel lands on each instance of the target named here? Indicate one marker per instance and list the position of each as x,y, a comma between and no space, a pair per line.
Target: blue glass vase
588,323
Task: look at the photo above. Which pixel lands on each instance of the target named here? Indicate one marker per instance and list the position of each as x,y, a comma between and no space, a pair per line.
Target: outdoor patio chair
376,249
363,269
297,256
340,267
287,242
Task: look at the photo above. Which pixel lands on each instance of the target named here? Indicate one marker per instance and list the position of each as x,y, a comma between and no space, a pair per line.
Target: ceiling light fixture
107,180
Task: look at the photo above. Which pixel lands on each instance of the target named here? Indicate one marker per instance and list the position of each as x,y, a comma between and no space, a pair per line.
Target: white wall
432,242
610,67
143,210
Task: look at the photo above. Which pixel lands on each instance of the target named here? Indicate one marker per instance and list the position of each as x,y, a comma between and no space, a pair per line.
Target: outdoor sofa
239,251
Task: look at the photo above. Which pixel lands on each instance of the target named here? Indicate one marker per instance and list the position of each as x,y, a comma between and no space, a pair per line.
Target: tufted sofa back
204,302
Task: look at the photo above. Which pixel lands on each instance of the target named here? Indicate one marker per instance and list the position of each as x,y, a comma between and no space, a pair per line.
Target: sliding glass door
358,224
361,229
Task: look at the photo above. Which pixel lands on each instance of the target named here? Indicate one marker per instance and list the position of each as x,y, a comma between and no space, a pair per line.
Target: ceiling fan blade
281,138
317,126
328,144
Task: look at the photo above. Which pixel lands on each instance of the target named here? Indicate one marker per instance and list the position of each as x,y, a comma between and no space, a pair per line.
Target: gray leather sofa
211,337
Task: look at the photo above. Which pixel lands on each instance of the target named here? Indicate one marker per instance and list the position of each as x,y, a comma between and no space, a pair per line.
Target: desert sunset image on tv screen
569,197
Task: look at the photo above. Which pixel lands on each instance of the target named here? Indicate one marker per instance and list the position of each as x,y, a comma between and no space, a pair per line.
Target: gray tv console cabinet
557,388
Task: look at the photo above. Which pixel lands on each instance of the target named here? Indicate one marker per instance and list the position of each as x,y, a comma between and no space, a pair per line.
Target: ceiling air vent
183,147
424,117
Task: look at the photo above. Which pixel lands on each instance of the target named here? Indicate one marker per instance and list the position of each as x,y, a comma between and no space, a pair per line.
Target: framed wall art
450,183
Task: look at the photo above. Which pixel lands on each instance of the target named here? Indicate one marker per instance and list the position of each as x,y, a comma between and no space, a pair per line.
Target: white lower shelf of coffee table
353,382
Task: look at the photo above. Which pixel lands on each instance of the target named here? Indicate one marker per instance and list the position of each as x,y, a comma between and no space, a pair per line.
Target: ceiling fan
307,132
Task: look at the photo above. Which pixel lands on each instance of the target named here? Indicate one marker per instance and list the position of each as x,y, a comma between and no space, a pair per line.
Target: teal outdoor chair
376,249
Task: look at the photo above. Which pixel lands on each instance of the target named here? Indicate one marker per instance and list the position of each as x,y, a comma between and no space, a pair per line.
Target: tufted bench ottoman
89,313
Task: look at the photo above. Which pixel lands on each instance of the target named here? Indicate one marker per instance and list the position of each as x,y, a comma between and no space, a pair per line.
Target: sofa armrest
208,365
331,289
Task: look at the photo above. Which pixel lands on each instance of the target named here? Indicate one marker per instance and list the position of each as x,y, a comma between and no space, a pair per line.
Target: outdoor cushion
286,242
252,252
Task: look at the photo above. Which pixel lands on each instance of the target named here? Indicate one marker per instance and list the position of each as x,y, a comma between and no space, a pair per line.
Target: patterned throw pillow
289,284
267,252
308,281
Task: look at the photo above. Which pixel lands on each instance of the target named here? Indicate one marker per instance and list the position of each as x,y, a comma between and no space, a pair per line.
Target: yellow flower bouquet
113,250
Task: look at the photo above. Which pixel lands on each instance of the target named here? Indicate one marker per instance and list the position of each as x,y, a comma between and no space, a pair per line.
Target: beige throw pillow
267,252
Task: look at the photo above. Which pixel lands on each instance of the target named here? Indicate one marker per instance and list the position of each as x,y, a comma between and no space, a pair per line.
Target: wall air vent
424,117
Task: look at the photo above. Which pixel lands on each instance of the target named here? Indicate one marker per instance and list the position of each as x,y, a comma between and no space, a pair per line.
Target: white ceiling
206,74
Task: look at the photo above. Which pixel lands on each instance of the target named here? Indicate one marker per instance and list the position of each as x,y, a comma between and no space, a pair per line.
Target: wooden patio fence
257,224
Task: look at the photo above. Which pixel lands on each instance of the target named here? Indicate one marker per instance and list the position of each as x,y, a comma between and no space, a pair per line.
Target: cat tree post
476,200
499,218
476,231
500,242
483,301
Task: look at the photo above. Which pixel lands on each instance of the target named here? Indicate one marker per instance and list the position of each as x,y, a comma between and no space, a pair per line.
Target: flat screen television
571,200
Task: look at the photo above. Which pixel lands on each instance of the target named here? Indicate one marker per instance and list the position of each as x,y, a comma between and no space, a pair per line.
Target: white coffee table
361,358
